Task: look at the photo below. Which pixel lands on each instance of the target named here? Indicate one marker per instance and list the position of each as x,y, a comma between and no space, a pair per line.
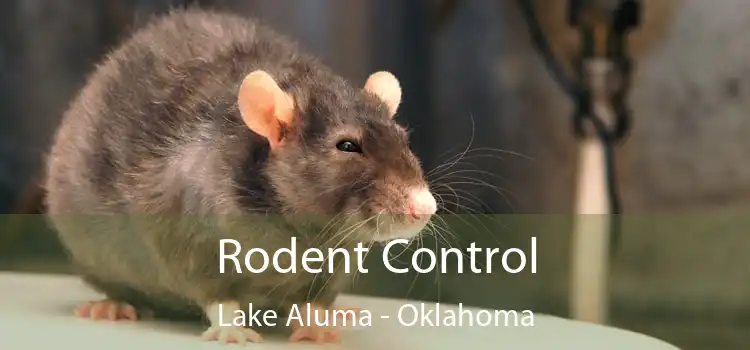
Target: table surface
36,312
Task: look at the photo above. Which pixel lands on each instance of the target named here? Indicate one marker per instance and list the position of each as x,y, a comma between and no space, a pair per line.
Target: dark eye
348,146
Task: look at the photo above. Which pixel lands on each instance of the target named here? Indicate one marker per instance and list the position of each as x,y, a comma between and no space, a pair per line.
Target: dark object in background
442,13
47,49
604,27
23,215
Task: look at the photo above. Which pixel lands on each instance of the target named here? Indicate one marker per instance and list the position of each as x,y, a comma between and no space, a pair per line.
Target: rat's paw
316,334
328,333
231,334
347,315
106,310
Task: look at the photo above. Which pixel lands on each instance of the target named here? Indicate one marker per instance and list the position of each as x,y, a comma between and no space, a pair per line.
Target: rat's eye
348,146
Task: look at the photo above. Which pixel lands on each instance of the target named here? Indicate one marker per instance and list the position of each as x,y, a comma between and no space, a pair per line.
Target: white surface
36,313
589,299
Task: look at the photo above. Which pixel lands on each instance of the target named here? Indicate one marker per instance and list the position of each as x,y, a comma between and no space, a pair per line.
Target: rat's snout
421,204
408,212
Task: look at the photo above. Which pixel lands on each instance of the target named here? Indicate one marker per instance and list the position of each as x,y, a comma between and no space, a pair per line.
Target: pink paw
232,334
349,315
106,310
325,334
315,334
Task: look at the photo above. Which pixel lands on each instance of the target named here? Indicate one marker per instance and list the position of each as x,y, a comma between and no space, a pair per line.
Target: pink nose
421,202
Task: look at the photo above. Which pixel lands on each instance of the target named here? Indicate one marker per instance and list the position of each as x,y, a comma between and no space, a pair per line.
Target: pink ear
386,87
264,106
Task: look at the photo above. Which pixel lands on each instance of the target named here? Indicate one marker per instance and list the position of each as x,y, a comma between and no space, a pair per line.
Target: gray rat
205,126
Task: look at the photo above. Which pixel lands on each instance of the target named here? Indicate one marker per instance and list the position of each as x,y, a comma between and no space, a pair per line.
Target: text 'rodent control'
313,260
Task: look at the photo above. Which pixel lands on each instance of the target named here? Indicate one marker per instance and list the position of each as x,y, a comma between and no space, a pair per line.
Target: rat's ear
386,87
264,107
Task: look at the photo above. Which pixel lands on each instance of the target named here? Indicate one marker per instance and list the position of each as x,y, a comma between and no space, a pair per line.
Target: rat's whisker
469,171
344,236
440,232
403,250
420,244
477,202
470,155
438,273
341,221
491,151
462,252
330,239
372,242
460,156
463,155
489,232
481,183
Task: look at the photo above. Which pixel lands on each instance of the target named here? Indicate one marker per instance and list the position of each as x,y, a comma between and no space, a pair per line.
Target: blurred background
472,77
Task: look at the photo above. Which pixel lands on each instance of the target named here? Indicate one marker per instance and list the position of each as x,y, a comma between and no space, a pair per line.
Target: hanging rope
612,48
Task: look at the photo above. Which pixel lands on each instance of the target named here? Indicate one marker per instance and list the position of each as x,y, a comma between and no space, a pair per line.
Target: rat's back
157,103
148,99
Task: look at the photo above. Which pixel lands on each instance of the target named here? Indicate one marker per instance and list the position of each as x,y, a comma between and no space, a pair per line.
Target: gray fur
152,165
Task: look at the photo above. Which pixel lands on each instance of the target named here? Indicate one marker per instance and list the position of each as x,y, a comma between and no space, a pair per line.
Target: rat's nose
421,203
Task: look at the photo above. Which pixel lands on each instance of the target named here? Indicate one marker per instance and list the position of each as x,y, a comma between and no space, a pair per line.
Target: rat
204,126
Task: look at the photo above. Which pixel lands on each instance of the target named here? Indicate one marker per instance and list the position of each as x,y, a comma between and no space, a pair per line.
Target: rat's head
341,156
